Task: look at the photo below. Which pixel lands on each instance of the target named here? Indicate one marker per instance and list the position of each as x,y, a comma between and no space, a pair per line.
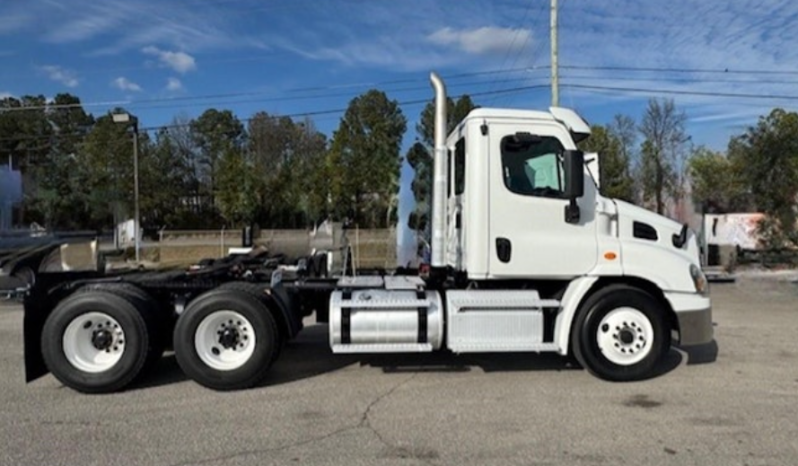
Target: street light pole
136,217
126,118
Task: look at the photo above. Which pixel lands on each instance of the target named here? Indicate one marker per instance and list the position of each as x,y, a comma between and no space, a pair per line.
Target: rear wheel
95,342
155,318
621,334
259,292
226,340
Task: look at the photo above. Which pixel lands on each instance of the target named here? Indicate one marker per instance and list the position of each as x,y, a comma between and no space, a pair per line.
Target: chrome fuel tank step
496,320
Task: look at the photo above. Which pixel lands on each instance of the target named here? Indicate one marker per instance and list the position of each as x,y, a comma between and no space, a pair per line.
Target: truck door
528,234
455,207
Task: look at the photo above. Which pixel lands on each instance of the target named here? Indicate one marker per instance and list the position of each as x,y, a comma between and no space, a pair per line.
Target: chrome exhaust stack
439,181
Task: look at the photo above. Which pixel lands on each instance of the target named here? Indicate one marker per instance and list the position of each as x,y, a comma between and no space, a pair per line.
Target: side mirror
573,165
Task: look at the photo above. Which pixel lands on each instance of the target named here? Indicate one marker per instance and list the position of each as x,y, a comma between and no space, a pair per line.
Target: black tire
78,306
257,292
157,321
627,352
210,305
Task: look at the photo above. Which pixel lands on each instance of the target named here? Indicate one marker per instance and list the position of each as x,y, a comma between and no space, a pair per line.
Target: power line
310,97
683,92
680,79
404,81
677,70
255,94
515,37
293,115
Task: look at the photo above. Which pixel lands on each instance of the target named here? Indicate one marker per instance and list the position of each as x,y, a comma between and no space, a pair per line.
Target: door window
532,165
459,167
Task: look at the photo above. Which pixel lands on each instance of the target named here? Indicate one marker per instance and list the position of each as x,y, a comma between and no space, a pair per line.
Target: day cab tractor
527,257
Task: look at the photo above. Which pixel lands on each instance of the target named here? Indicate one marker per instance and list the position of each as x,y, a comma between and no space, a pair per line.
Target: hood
640,214
647,240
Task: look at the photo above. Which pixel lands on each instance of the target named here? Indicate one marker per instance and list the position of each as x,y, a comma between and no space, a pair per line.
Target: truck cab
507,202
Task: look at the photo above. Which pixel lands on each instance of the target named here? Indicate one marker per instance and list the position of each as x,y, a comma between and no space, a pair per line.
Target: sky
724,62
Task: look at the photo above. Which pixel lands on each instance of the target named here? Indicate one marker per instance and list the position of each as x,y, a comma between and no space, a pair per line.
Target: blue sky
164,58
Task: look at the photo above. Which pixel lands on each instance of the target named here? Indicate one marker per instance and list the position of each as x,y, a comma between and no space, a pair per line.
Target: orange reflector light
610,256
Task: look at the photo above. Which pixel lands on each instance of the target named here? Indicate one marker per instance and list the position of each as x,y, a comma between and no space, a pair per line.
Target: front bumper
694,316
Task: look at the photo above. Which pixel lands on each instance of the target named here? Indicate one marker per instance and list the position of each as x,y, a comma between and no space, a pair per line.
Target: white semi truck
527,256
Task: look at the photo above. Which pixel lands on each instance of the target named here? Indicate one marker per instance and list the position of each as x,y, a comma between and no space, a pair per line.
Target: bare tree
663,154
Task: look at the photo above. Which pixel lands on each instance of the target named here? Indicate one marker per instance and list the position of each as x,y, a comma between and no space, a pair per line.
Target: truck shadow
309,356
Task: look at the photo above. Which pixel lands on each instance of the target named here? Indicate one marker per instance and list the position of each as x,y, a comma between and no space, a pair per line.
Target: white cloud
178,61
125,84
62,75
174,85
484,40
6,95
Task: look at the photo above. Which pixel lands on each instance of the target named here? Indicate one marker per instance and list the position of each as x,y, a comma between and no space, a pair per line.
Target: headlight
699,279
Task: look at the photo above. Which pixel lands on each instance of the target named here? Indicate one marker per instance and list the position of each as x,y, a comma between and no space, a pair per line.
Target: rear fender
42,298
285,304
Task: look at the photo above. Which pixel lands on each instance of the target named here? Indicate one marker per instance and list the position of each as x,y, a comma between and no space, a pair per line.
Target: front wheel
621,334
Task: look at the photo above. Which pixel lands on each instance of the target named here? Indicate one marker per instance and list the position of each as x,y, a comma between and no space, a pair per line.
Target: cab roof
577,126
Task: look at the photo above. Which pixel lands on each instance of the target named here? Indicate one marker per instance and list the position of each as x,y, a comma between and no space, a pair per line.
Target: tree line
217,169
206,172
654,163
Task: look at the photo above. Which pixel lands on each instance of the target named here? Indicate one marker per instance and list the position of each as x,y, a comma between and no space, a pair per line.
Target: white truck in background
527,256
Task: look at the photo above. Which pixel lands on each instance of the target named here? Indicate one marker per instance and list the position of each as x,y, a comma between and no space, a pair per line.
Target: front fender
573,296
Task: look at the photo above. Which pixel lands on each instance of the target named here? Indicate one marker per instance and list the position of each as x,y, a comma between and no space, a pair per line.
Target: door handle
504,249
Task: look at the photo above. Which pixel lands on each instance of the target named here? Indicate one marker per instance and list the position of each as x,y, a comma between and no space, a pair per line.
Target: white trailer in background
527,256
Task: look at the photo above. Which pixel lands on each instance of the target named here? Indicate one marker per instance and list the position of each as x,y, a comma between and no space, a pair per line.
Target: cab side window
459,167
532,165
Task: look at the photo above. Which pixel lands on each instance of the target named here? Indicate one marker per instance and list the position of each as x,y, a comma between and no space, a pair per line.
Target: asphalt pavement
507,409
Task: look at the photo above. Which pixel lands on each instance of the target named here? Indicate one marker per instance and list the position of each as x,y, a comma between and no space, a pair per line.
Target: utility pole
555,72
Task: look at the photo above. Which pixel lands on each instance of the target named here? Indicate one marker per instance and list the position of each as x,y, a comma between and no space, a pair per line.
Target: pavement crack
364,422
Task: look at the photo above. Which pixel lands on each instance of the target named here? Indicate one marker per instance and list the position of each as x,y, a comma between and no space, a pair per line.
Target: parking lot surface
505,409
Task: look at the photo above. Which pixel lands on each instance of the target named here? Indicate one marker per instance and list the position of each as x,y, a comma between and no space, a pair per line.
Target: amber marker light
610,256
